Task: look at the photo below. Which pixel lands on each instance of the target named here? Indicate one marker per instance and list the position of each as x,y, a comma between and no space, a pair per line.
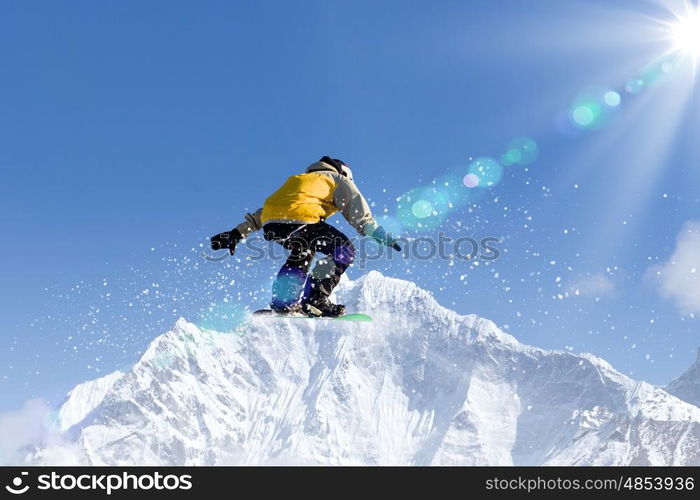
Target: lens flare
422,209
686,33
522,151
471,180
634,86
222,317
656,73
391,224
488,170
612,99
511,157
449,191
584,116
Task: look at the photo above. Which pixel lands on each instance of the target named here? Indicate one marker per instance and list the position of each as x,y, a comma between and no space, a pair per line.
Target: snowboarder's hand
381,236
227,240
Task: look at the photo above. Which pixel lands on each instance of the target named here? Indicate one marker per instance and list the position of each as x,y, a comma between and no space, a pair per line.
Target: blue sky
132,131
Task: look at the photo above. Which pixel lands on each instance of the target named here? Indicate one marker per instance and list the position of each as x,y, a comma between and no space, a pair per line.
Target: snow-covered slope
82,399
419,385
687,386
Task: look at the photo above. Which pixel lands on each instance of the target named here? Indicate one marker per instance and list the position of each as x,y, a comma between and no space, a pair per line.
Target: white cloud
29,435
20,429
595,285
679,277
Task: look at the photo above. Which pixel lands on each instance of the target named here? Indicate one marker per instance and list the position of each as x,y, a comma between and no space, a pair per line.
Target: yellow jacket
303,198
312,197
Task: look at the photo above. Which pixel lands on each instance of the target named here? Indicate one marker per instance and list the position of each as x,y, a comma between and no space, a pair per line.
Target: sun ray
686,34
682,32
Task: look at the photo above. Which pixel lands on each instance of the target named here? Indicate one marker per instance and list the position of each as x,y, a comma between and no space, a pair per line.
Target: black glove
381,236
227,240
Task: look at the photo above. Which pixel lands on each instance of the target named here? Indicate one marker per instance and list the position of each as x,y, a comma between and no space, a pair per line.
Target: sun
685,33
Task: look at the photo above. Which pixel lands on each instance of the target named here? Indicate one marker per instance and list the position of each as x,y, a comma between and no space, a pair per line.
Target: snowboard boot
318,304
290,310
321,306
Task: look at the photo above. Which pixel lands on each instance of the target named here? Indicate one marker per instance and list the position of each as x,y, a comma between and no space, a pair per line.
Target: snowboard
345,317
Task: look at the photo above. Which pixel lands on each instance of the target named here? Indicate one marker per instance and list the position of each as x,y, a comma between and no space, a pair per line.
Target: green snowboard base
345,317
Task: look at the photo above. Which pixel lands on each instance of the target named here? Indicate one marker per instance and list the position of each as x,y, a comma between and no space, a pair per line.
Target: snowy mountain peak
390,297
687,386
418,385
83,398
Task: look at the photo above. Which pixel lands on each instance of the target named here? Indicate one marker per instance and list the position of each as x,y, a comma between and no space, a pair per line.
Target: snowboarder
294,216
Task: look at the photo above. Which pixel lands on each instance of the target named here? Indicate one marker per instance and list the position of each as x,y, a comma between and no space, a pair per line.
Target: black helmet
339,165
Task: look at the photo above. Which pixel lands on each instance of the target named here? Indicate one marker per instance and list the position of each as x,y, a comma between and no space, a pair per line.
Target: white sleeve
350,202
252,223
